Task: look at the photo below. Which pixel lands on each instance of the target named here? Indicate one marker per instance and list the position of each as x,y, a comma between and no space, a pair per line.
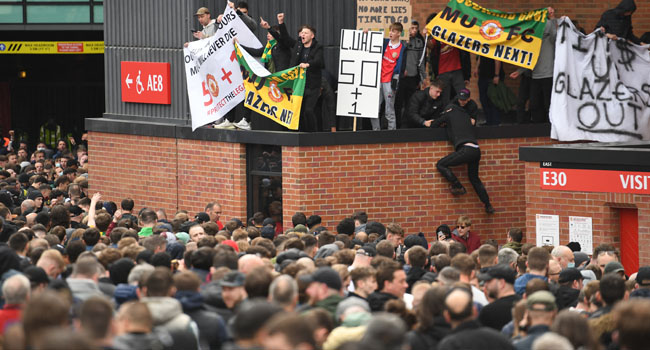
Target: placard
580,230
547,228
359,74
378,15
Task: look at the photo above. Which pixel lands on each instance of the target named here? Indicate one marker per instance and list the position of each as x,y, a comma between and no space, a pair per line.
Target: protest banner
601,90
277,96
378,15
359,73
214,84
514,38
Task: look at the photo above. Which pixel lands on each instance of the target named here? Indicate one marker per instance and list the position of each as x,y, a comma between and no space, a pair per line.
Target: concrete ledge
283,138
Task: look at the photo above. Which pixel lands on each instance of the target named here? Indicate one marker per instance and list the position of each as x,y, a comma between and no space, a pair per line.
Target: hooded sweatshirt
616,22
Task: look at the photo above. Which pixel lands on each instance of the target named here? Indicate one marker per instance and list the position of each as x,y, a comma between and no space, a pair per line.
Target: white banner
601,88
214,81
359,73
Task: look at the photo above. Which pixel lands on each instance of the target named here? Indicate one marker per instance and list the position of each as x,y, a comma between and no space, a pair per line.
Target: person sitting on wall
461,133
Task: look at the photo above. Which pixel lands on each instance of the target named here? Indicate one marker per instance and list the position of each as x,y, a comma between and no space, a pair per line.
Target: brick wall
400,183
586,12
169,173
602,207
392,182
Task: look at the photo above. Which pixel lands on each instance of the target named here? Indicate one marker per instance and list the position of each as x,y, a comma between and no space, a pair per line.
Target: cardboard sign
378,15
359,73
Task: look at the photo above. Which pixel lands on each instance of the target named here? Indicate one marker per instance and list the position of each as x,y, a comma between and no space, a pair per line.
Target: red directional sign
146,82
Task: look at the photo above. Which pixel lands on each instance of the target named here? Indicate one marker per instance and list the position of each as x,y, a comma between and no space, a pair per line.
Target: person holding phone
209,25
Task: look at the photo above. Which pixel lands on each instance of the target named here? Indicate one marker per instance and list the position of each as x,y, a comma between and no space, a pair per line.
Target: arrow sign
151,82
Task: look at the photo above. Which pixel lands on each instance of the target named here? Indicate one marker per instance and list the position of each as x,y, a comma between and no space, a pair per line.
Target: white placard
214,80
580,230
359,73
547,228
601,88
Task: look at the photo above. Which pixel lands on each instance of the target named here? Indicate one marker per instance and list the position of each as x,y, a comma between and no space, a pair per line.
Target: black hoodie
616,22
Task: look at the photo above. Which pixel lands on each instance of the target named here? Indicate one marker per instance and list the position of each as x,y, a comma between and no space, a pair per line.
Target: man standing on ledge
460,130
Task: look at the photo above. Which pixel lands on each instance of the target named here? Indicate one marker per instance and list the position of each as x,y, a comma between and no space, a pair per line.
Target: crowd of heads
128,277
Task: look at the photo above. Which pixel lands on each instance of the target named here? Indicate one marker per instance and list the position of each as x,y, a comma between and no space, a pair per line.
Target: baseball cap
301,228
569,275
202,217
233,279
325,275
499,271
202,11
643,276
613,266
541,300
268,221
367,250
463,94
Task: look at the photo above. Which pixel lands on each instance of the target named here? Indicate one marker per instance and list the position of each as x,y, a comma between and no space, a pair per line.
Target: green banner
515,38
278,96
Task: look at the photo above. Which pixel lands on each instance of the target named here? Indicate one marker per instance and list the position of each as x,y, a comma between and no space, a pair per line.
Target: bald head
458,306
248,262
563,255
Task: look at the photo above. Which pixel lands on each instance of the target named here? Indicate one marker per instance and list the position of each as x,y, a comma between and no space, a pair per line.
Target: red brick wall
400,183
392,182
168,173
600,206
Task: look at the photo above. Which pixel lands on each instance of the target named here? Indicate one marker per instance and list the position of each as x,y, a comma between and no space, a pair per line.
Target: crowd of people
407,67
80,272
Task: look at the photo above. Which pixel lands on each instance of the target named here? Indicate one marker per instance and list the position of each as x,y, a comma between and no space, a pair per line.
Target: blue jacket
520,283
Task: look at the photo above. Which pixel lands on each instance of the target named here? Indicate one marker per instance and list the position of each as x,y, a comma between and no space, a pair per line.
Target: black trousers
540,99
407,87
524,95
307,114
464,155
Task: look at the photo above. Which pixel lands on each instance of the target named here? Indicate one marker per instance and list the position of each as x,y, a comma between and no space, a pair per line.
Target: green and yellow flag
277,96
515,38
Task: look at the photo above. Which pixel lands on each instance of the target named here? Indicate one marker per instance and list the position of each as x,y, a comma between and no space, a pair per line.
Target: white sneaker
243,124
225,124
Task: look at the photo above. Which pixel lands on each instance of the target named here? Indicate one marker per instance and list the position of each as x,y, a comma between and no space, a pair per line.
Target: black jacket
459,126
565,297
426,339
377,300
615,22
212,328
470,107
422,107
280,53
315,57
465,61
414,275
470,335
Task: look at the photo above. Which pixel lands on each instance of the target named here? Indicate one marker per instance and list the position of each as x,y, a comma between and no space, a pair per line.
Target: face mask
57,165
571,265
41,149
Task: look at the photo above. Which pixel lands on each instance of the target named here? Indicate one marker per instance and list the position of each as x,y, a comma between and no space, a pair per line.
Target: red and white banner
587,180
214,80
